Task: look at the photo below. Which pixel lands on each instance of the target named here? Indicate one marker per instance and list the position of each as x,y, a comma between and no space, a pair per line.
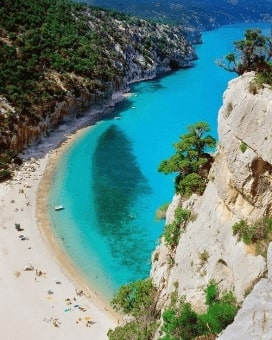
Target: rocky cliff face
239,188
254,319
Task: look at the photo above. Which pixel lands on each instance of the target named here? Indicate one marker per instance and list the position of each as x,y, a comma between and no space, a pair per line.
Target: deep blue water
108,180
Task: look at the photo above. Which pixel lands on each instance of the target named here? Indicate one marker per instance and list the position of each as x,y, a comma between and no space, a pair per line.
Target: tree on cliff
191,161
253,53
137,299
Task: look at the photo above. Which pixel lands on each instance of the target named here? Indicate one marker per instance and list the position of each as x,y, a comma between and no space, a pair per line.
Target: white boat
59,207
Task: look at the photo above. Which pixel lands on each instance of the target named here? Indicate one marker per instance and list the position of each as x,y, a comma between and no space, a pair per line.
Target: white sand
34,306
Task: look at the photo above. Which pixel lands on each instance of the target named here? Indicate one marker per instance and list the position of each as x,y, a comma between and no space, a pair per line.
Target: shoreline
41,291
69,267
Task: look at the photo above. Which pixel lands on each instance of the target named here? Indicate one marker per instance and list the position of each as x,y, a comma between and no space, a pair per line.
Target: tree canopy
181,322
137,299
253,53
191,160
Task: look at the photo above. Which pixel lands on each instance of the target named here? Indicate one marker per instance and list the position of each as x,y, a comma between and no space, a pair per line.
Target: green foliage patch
46,36
253,53
243,147
180,322
137,299
191,161
133,330
134,297
172,230
258,233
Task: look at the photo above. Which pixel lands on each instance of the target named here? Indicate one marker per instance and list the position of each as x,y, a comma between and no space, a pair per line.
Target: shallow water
108,180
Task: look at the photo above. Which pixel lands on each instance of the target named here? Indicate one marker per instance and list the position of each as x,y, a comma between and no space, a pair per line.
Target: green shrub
192,183
180,322
243,147
258,233
219,316
182,215
265,76
221,311
137,299
172,230
171,234
133,331
204,256
134,298
229,108
244,231
212,293
189,160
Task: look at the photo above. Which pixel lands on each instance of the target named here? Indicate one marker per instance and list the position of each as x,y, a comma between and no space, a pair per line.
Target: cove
108,180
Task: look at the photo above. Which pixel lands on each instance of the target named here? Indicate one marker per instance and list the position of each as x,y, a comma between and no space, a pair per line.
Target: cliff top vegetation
180,321
191,161
253,53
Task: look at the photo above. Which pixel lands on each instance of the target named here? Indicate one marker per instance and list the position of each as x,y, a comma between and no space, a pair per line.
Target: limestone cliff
239,188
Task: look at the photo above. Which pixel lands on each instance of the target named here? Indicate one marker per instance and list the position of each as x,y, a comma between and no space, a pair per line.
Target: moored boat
59,207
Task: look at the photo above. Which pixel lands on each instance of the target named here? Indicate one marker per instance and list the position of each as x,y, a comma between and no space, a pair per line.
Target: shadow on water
154,85
120,107
127,104
119,186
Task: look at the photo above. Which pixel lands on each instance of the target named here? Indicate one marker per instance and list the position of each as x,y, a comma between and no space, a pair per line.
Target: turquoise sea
108,180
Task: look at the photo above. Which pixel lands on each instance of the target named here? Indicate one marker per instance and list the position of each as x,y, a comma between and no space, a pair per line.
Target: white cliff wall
254,319
239,188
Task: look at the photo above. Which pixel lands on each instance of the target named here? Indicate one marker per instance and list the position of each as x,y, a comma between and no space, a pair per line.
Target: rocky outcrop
239,188
245,122
254,319
28,133
169,49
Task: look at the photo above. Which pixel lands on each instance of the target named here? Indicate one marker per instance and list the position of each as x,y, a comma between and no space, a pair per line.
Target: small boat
59,207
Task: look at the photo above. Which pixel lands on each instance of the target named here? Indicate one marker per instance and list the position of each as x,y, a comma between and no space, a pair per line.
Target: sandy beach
41,294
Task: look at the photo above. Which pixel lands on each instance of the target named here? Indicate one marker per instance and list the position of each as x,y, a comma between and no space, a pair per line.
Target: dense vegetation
258,234
191,161
51,50
38,38
172,230
138,299
253,53
201,14
180,321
